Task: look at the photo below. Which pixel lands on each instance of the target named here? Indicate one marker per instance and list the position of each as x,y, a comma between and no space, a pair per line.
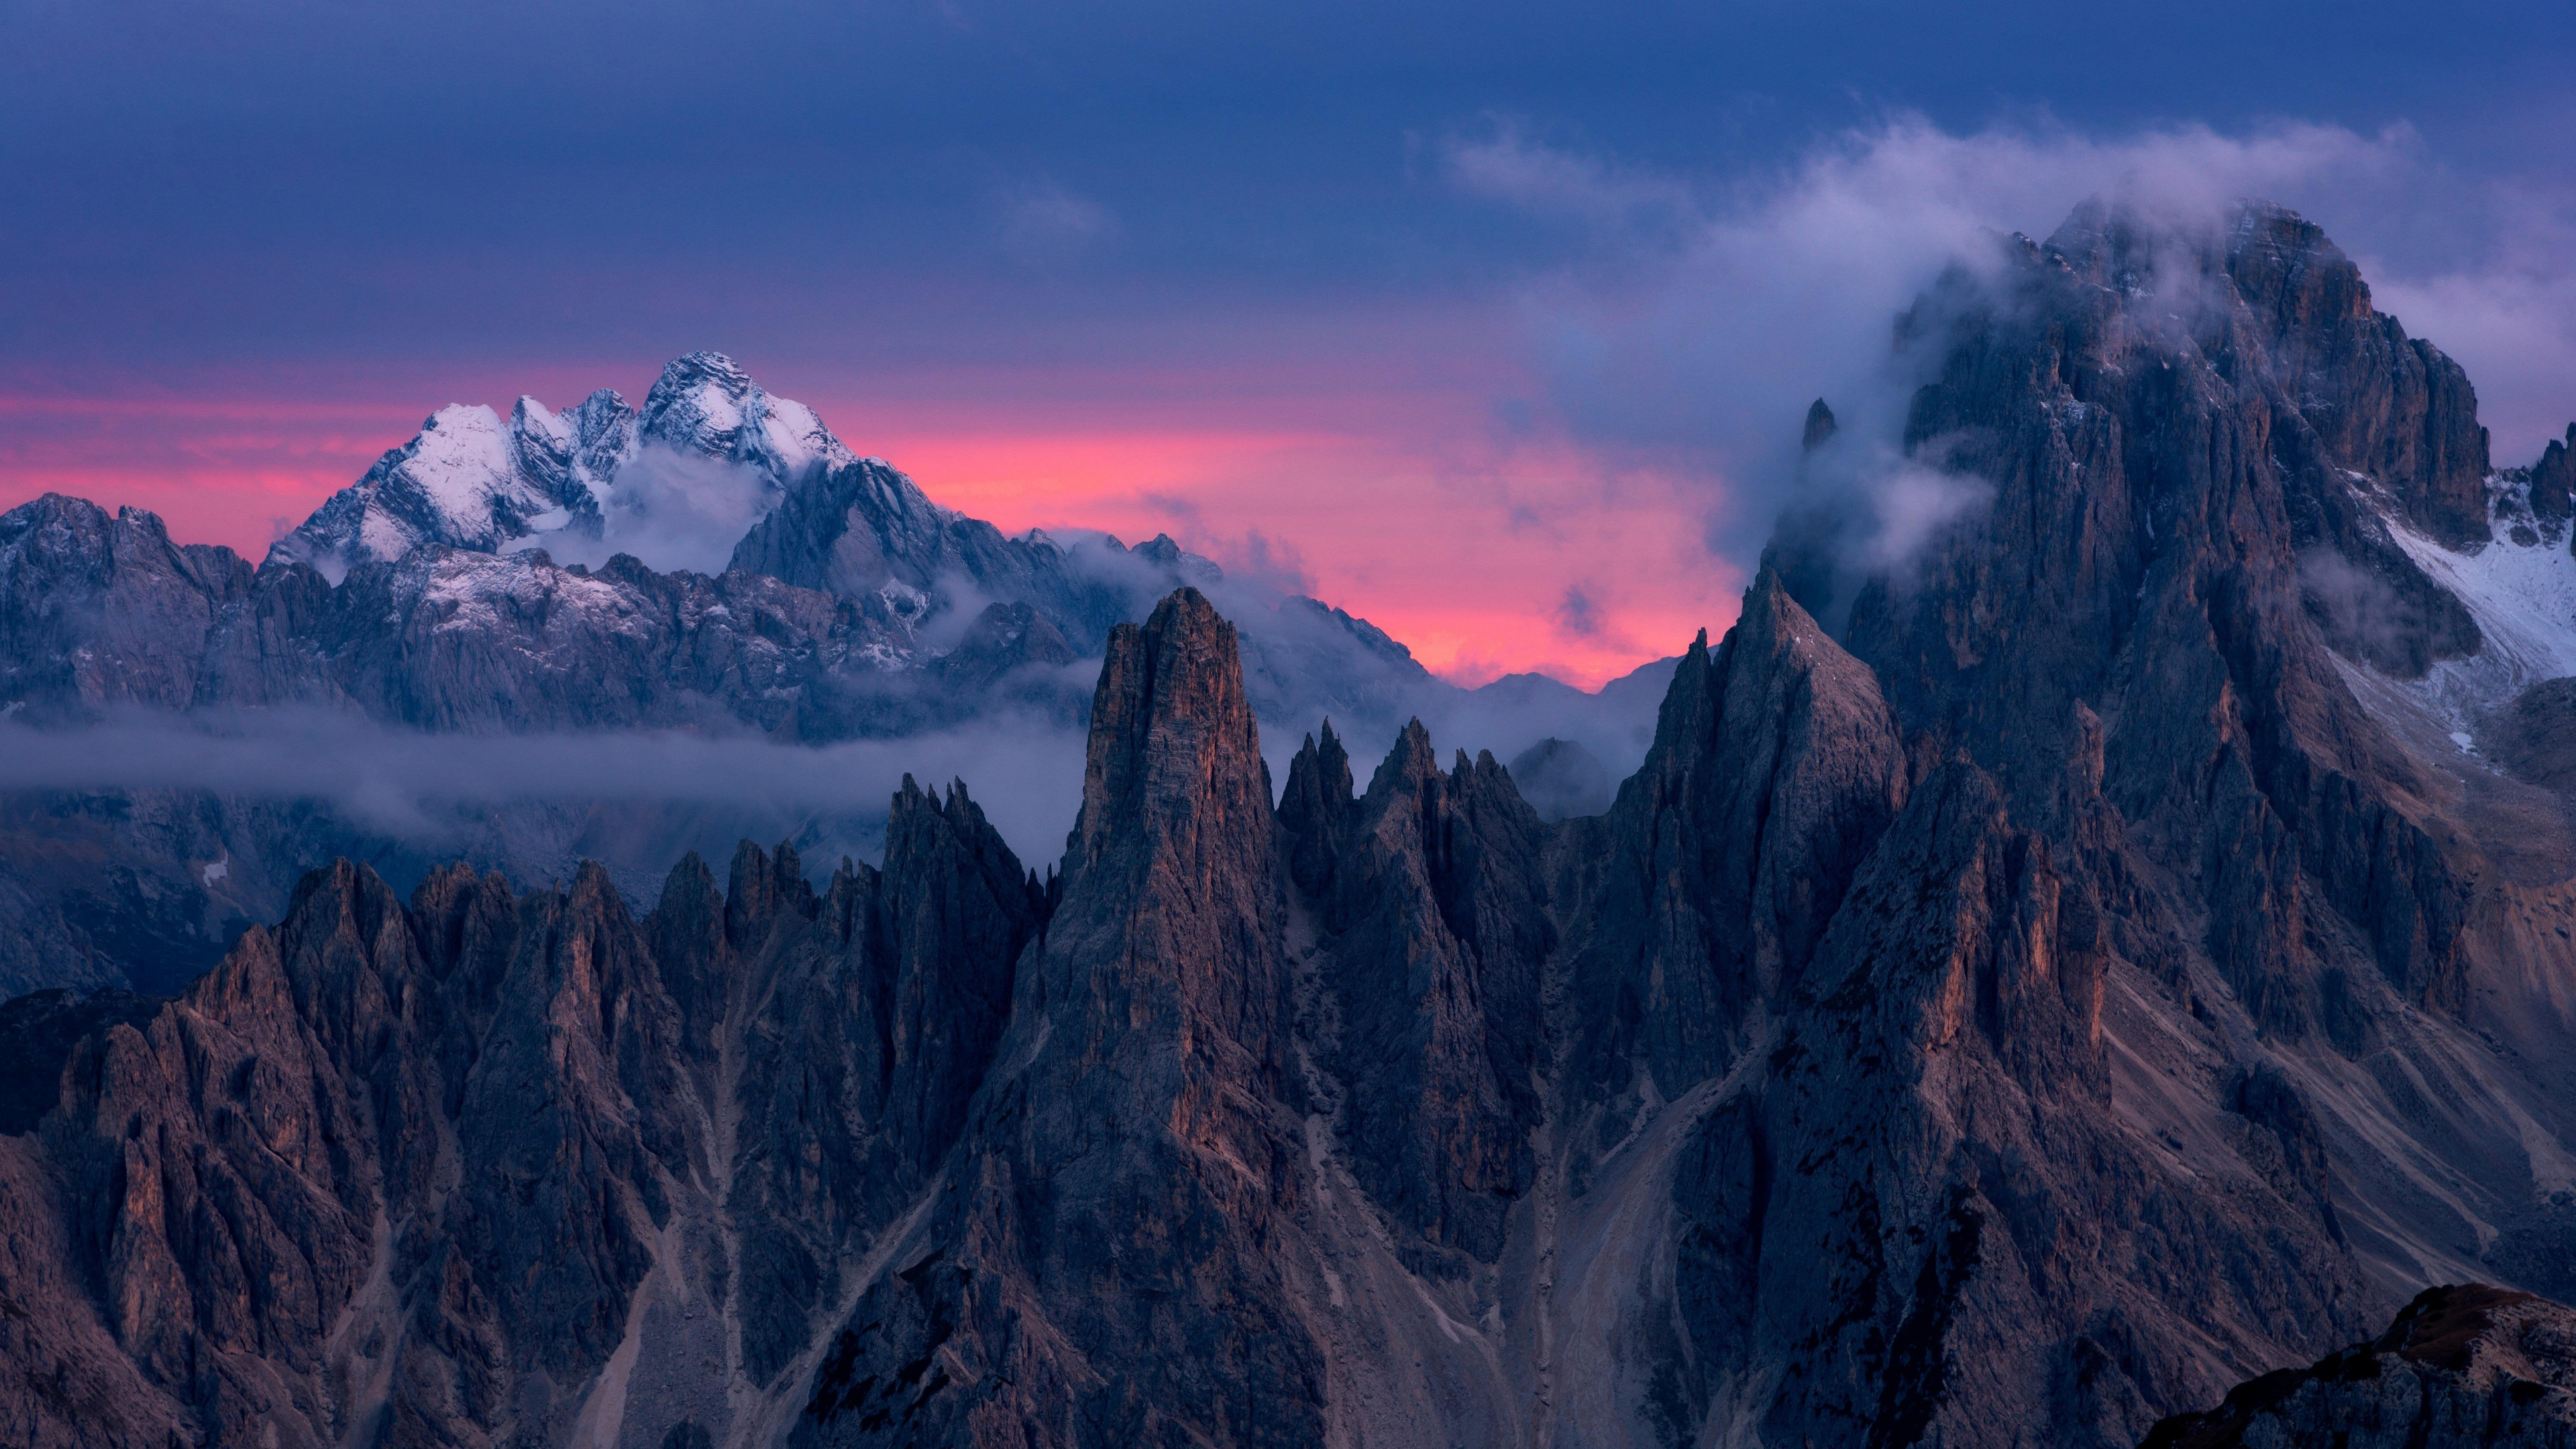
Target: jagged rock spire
2553,479
1775,764
1820,426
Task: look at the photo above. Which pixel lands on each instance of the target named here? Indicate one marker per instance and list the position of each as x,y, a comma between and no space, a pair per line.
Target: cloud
1273,567
1044,218
440,792
2508,314
1697,343
1506,163
1578,615
672,510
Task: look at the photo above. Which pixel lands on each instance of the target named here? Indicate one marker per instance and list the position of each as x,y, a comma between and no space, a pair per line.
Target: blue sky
1409,228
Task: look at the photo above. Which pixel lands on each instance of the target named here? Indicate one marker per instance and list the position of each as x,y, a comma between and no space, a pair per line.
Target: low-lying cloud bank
650,795
655,795
434,790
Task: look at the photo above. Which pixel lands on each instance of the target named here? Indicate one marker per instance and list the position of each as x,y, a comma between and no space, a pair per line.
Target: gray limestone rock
1083,1278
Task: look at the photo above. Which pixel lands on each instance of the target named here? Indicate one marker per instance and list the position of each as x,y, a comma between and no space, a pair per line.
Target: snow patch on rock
2523,596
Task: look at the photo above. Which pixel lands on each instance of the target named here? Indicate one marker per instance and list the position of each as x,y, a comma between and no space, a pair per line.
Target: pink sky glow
1408,506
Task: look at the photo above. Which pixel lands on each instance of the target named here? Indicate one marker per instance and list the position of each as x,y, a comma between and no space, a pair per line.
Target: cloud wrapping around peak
1702,317
672,510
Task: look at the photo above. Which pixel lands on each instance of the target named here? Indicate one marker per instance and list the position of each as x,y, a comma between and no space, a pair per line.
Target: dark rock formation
420,1174
2553,479
2536,735
2071,986
1820,426
1560,778
1776,764
1816,527
1789,1092
2465,1364
98,610
37,1034
1132,1108
2142,548
1435,936
2389,407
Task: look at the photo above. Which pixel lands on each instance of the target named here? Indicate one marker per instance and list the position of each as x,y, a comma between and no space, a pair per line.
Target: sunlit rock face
2036,982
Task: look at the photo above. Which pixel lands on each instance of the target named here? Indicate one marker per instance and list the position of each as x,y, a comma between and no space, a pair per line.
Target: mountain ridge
181,649
2087,977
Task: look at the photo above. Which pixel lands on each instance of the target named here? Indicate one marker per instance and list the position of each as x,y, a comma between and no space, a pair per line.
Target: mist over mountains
2084,960
608,633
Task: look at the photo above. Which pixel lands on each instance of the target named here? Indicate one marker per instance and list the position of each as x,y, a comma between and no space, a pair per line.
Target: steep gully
2012,1018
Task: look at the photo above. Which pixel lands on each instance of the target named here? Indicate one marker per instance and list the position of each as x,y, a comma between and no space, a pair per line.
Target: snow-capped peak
699,405
465,479
705,405
531,417
799,439
469,480
461,459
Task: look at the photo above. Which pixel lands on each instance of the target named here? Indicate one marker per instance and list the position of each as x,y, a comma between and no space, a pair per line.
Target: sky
1491,324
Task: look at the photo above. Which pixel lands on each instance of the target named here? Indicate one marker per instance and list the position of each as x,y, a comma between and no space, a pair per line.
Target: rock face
1433,939
2082,981
37,1034
111,613
2553,479
490,1169
2536,737
1133,1106
861,528
2465,1364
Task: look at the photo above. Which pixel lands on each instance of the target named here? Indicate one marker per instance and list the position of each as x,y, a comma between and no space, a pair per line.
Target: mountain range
444,595
2101,975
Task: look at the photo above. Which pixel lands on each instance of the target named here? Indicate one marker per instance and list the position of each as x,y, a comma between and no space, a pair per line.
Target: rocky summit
2070,981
